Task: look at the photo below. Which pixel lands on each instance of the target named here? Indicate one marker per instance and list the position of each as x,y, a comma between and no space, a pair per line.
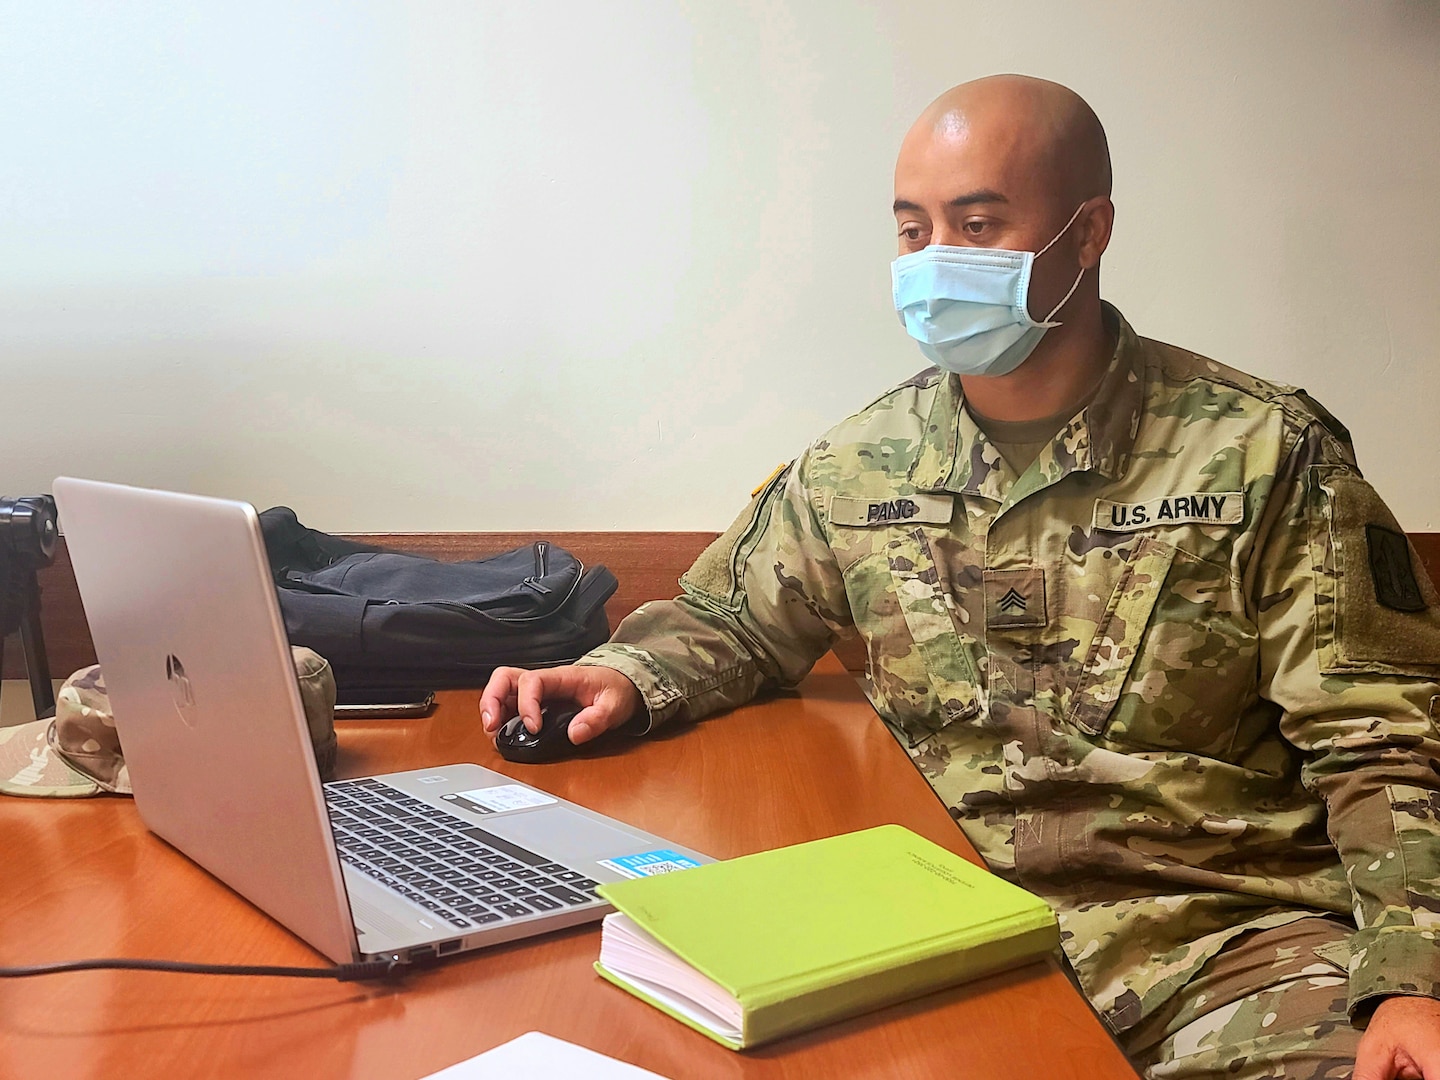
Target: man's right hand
609,698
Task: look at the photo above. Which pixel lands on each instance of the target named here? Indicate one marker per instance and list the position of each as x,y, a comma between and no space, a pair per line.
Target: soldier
1136,616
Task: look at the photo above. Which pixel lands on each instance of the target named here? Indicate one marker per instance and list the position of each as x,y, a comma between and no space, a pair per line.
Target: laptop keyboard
464,875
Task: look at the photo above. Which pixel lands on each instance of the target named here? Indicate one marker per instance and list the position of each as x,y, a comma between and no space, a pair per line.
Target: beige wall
604,265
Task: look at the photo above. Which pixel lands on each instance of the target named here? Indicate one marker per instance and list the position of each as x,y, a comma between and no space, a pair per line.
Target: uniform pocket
939,654
1415,817
1119,634
1174,663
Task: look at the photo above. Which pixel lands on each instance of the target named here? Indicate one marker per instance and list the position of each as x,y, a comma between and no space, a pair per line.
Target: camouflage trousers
1267,1007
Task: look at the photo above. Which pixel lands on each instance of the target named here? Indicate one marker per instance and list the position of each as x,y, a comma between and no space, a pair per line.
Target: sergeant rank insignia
1015,599
1013,602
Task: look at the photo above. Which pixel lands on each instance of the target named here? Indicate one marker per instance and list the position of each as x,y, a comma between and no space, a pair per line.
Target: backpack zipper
542,547
509,620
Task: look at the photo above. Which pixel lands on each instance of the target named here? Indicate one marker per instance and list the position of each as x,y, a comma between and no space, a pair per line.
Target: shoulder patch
1202,508
903,509
1391,570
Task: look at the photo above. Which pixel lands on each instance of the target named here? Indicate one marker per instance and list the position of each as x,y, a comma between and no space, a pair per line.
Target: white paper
632,955
537,1056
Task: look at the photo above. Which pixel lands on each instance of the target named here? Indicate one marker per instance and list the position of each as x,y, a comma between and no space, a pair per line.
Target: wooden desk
85,879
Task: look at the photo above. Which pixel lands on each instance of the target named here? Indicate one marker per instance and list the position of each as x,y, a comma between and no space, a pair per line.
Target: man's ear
1095,221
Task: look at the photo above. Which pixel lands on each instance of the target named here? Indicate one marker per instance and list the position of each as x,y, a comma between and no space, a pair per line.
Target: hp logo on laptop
181,692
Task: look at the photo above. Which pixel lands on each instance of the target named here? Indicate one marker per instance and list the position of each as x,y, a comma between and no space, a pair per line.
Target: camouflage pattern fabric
75,755
317,694
78,753
1270,1006
1161,678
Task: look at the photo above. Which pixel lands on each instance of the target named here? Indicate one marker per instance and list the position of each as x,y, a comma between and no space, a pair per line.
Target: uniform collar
958,457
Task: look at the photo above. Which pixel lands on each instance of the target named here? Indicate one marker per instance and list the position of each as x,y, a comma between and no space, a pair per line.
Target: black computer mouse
550,743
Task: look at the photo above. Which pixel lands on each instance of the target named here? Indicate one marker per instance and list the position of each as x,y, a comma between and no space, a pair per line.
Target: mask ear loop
1063,230
1046,321
1074,285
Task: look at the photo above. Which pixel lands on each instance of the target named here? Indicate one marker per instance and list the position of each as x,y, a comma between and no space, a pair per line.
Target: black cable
371,969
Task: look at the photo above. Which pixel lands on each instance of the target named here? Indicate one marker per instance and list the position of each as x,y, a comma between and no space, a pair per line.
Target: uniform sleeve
758,608
1350,651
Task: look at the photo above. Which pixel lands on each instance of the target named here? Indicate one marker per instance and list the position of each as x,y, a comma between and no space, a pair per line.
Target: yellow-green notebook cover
804,935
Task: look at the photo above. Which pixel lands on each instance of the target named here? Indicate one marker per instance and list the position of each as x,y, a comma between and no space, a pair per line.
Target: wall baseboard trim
648,566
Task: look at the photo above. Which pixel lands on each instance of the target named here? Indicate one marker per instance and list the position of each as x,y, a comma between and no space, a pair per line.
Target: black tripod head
28,535
28,528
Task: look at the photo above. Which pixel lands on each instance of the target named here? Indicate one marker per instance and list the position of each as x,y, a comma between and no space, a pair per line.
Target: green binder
770,944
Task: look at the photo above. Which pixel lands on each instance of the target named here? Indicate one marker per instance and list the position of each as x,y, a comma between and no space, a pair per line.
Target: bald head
1046,129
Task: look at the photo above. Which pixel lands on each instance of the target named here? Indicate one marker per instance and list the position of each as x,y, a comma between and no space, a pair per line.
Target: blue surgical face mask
968,306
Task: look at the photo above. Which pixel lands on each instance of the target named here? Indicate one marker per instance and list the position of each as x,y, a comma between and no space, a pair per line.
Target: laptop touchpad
565,836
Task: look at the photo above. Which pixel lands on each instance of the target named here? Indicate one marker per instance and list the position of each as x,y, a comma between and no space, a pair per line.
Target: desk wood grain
84,879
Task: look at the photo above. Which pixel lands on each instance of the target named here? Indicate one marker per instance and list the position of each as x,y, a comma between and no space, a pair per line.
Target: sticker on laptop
497,800
649,863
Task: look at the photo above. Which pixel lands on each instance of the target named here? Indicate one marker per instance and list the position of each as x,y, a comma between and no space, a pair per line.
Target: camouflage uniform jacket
1179,677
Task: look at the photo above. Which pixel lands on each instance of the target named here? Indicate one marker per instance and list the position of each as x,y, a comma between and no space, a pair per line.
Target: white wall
605,264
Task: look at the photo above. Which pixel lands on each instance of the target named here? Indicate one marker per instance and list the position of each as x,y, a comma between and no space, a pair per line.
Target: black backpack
386,620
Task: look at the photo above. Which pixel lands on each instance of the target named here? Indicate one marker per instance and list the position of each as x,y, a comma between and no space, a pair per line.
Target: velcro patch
1015,599
901,510
1203,508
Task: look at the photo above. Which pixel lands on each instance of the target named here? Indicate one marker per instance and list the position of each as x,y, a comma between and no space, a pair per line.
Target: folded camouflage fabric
78,754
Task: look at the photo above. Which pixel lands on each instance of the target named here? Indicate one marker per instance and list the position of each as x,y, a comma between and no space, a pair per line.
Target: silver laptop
182,609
